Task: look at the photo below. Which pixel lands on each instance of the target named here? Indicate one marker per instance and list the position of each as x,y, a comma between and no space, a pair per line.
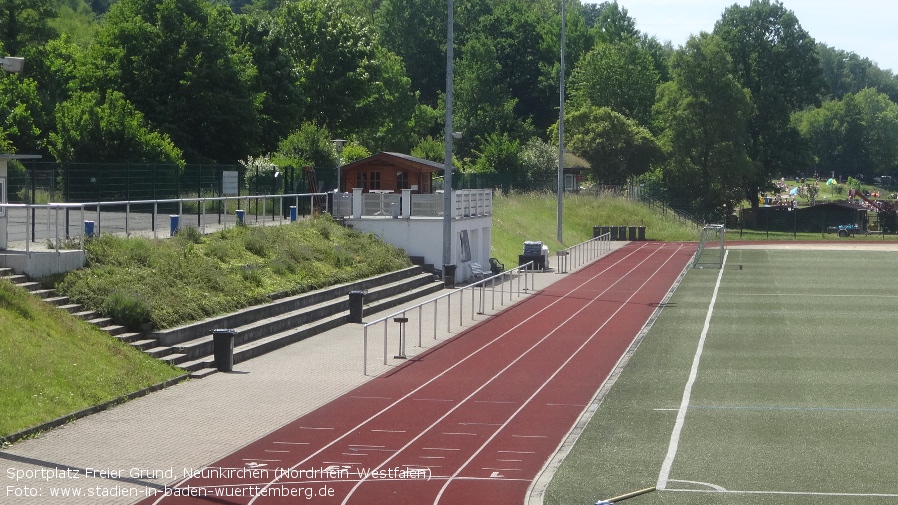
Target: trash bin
606,230
223,348
241,214
356,309
640,233
632,233
394,210
621,233
174,222
88,228
596,231
449,276
613,231
292,213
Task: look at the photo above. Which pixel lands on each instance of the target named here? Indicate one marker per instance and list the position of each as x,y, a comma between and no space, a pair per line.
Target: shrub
127,309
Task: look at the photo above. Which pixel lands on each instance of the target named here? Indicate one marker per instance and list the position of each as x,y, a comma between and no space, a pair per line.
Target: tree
353,85
25,23
702,117
483,104
416,31
310,145
177,61
104,127
616,147
777,62
620,76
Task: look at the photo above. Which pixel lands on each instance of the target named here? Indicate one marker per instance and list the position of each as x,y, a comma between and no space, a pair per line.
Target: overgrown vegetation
165,283
52,366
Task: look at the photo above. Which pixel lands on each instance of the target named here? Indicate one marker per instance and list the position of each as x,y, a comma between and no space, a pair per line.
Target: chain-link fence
44,182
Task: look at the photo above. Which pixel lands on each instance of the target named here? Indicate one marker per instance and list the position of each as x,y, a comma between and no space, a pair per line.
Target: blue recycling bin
240,215
292,213
174,222
89,229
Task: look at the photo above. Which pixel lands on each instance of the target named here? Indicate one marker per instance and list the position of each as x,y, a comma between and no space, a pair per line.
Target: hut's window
375,180
360,180
401,180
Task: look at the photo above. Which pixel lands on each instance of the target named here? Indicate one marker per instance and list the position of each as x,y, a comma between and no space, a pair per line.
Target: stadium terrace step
260,329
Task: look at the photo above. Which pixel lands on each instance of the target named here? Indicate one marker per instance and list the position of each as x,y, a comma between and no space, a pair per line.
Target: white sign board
2,196
229,182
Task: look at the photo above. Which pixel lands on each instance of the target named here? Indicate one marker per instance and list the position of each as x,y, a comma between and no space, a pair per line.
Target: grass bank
533,216
51,366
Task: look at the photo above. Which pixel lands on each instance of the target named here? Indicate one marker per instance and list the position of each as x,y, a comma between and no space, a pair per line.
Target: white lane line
389,431
480,424
529,436
518,452
664,474
459,433
432,380
372,397
432,400
440,449
563,365
272,450
292,443
314,428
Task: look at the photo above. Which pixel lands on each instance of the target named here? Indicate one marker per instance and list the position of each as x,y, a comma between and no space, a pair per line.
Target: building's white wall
424,237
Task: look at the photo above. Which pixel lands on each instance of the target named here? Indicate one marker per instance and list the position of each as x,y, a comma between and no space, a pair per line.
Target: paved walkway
119,455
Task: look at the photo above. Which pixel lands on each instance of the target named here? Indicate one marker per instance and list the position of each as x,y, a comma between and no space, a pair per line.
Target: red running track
472,421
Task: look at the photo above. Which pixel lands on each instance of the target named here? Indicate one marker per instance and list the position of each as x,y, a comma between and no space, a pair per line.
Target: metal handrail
514,273
584,252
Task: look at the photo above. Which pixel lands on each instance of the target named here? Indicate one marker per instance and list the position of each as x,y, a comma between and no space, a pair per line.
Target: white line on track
431,380
561,367
664,474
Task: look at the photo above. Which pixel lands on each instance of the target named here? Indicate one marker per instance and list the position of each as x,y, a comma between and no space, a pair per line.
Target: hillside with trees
707,124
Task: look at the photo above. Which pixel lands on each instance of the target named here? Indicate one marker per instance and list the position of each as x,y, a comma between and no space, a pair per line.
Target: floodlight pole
559,233
447,164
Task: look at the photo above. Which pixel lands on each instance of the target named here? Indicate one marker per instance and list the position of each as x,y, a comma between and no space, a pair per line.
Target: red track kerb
474,420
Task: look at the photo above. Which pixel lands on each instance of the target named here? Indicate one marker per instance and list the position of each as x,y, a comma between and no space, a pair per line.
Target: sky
865,27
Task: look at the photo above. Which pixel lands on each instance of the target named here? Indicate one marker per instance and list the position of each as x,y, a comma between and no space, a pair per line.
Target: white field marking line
500,372
816,295
372,397
664,475
459,433
510,364
428,382
292,443
389,431
791,493
555,373
518,452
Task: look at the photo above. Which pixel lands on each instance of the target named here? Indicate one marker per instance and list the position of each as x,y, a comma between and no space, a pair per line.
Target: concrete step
57,300
30,286
6,271
144,344
159,352
199,374
128,337
100,322
113,329
199,366
71,307
85,315
174,359
16,278
46,294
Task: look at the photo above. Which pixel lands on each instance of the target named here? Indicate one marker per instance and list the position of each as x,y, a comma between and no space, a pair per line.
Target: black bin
622,233
596,231
449,276
606,230
223,348
632,230
640,233
613,231
356,301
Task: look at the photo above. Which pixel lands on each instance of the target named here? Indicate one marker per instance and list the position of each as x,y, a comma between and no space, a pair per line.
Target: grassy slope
51,366
517,218
62,365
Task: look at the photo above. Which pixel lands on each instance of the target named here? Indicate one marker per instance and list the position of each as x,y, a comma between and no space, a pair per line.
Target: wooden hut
390,172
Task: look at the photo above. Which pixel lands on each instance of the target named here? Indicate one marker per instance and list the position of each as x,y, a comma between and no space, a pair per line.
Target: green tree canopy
619,75
702,116
616,147
776,61
177,61
105,128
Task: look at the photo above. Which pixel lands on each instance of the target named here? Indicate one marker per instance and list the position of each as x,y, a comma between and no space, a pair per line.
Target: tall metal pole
561,129
447,167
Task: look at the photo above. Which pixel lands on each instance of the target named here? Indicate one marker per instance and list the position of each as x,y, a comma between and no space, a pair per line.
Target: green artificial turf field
791,390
